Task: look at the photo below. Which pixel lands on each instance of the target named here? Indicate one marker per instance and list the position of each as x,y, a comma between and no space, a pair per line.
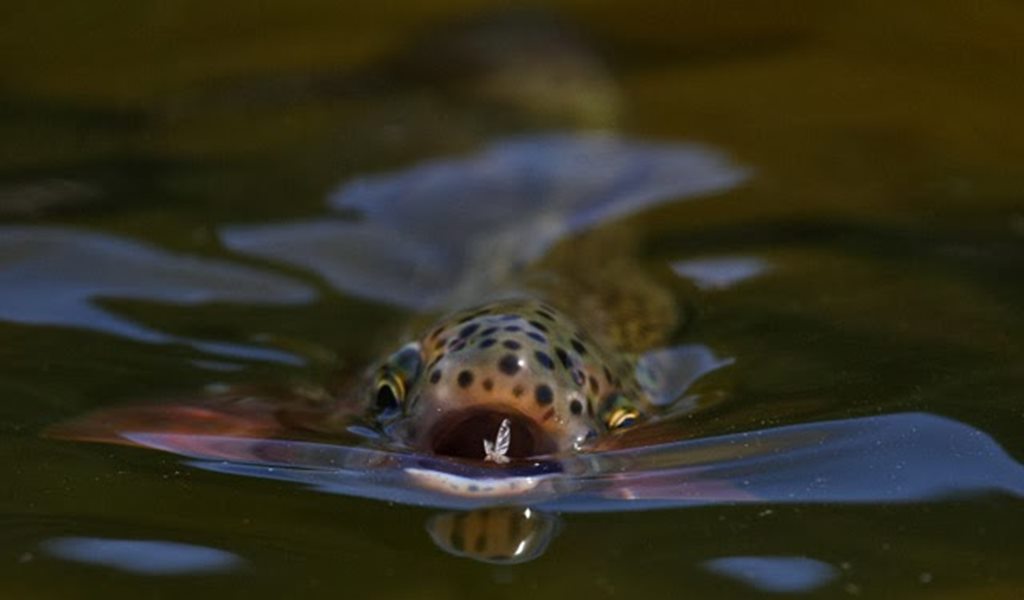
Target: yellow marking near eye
622,417
395,383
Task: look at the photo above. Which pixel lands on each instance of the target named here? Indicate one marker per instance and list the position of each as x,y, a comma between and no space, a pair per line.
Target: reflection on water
794,574
893,458
720,272
144,557
889,459
419,237
54,276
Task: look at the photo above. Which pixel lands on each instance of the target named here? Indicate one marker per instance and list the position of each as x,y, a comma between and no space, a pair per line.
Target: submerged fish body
520,361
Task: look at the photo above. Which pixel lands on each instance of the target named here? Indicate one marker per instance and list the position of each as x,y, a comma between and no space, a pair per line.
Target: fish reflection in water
501,535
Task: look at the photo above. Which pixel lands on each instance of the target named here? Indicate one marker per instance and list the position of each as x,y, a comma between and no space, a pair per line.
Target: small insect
497,450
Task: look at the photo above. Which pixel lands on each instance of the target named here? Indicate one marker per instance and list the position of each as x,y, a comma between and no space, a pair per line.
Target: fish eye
621,418
391,385
618,412
390,393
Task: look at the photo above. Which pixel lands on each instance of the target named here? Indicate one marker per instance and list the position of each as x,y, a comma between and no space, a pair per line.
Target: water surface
864,279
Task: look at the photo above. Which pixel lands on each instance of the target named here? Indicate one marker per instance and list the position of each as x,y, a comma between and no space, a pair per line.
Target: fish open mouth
462,434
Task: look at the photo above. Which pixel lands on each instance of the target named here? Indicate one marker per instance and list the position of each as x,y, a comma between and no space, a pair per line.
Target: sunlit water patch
413,237
779,574
57,276
144,557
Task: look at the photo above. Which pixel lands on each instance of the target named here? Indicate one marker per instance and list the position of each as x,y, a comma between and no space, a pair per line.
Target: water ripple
905,457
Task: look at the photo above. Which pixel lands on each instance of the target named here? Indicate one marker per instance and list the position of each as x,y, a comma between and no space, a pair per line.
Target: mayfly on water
497,451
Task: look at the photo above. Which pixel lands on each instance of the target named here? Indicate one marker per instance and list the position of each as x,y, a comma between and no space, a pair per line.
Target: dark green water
886,197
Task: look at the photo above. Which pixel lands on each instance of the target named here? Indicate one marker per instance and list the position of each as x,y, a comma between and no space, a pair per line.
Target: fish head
518,372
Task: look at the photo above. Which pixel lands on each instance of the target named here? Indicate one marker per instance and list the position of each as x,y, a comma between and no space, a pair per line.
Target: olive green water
886,144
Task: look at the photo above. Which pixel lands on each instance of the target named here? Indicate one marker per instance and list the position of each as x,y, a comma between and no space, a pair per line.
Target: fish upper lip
461,434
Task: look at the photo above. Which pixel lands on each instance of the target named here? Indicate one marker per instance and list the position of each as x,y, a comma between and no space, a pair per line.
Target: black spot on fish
540,326
545,315
594,386
509,364
435,377
579,347
576,407
513,328
544,360
458,345
577,377
510,317
512,344
468,330
533,335
465,379
488,384
563,357
440,343
544,395
488,331
607,375
487,343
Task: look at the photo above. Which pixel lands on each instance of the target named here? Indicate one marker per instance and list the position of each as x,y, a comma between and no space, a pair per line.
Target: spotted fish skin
518,358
